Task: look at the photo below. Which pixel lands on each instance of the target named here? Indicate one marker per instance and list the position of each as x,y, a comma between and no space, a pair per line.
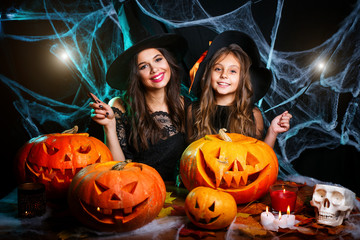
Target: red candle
282,197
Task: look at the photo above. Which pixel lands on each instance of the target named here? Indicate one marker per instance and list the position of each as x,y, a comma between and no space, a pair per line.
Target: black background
305,24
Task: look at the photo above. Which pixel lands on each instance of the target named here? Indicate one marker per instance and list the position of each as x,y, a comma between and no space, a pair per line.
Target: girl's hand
281,123
101,112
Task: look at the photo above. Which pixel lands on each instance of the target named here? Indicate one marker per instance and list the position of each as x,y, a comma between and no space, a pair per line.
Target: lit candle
290,218
267,217
281,221
283,196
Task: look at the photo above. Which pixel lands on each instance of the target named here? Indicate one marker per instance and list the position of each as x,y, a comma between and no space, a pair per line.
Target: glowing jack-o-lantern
116,196
54,159
210,208
242,166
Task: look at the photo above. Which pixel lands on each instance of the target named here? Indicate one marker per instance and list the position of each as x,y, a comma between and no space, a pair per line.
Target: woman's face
153,68
225,78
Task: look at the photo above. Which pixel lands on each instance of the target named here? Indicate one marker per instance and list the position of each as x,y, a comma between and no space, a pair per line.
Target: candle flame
284,190
98,209
279,215
288,210
267,209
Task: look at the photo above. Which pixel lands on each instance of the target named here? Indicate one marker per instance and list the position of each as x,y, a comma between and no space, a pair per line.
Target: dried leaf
165,212
253,209
306,231
169,199
185,232
178,211
303,220
243,215
250,226
335,230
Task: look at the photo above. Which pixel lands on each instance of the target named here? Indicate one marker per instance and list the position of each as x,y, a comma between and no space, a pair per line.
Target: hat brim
118,73
261,77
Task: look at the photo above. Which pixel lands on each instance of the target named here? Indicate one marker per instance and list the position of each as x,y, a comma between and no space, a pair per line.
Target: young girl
227,94
147,124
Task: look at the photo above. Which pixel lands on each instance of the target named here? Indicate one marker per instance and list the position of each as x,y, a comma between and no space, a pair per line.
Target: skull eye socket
212,207
319,195
337,198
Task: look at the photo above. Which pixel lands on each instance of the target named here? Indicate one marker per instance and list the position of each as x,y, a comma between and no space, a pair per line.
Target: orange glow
279,215
288,210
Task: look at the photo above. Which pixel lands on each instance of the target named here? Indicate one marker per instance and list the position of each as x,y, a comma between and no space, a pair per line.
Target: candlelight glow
279,215
267,209
98,209
288,210
284,190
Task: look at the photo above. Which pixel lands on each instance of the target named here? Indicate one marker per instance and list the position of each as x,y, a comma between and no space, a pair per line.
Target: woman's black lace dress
164,155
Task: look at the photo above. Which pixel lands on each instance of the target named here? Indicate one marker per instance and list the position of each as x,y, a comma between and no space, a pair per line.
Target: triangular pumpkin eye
196,204
130,188
251,160
51,150
84,149
100,188
212,207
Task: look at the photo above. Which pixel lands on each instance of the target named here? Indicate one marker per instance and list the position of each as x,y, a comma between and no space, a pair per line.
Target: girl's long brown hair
144,129
240,115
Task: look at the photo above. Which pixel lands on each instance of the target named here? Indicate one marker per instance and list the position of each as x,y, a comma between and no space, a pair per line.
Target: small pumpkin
210,208
54,159
116,196
242,166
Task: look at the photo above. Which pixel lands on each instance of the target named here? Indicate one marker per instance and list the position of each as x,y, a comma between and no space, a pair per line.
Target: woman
147,123
230,83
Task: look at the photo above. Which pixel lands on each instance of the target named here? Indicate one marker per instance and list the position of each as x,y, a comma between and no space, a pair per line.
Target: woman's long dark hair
240,115
144,129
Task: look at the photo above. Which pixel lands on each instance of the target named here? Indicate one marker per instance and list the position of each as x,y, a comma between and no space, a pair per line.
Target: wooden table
58,223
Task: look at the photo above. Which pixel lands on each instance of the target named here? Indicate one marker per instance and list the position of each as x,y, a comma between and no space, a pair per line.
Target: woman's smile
158,77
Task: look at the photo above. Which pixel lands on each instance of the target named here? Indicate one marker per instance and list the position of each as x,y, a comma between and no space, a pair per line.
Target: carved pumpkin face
109,199
54,159
245,167
209,208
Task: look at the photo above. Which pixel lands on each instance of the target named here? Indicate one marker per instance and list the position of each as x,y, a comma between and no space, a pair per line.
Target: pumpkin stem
120,166
72,130
224,136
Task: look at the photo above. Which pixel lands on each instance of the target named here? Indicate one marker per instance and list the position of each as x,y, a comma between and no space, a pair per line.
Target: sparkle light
64,56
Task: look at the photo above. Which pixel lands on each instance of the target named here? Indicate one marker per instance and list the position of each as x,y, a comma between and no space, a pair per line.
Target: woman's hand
281,123
101,112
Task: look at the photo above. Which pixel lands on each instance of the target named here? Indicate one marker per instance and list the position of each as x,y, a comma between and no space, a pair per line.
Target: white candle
281,221
267,217
290,219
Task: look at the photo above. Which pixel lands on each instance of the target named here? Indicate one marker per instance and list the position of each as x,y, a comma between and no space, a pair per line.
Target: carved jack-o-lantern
209,208
115,196
54,159
242,166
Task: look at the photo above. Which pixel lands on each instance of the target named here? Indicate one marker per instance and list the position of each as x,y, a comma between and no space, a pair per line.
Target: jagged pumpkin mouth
54,174
203,220
112,216
234,178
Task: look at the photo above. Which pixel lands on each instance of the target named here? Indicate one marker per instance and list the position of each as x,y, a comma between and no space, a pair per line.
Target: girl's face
153,68
225,78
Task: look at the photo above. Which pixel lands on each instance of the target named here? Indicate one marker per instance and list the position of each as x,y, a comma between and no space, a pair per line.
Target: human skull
333,203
